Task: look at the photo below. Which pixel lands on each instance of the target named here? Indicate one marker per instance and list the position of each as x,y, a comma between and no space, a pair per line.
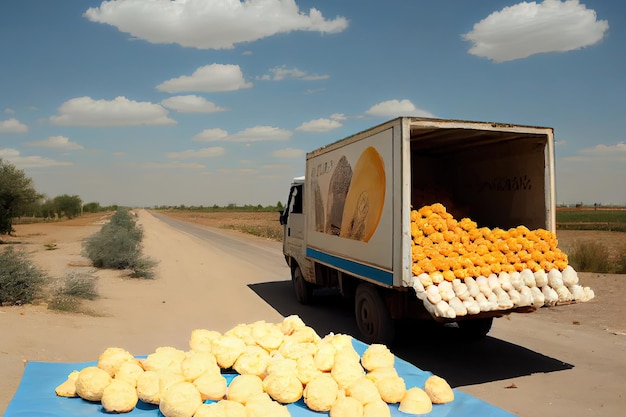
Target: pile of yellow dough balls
275,363
461,249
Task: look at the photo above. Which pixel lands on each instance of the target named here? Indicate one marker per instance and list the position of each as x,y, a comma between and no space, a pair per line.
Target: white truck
347,221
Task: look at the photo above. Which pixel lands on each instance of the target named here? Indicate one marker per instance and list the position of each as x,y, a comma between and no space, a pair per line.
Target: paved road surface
527,365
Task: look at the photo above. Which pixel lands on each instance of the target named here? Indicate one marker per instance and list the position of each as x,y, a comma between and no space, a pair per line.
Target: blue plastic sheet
35,395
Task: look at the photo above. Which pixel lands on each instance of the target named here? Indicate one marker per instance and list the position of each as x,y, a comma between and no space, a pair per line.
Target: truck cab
292,220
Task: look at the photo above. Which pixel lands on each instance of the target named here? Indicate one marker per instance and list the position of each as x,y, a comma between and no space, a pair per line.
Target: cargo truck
347,220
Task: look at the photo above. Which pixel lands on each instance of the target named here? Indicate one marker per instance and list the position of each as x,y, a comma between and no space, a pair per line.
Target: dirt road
569,361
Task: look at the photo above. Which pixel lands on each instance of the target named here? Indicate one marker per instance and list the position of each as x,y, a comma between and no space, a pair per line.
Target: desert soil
139,315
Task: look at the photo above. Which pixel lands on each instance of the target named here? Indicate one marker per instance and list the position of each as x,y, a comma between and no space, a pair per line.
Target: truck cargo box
500,175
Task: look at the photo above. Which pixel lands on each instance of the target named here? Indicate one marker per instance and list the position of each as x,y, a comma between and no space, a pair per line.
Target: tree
69,206
93,207
16,195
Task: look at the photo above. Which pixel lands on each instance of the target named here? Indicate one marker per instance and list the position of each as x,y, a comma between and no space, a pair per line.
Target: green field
590,219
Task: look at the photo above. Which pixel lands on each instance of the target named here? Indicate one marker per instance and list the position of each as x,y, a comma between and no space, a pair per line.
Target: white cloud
230,171
282,73
396,108
617,151
319,125
174,164
251,134
85,111
288,153
209,78
338,116
210,152
8,111
191,104
314,91
211,135
14,156
260,134
58,142
529,28
210,24
12,126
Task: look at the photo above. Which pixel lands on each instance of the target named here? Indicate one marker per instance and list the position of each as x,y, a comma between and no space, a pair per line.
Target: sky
203,102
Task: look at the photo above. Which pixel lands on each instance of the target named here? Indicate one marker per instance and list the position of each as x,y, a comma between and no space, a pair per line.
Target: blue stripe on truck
352,267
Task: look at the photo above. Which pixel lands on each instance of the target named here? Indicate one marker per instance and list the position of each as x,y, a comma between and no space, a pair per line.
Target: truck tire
372,316
302,289
475,328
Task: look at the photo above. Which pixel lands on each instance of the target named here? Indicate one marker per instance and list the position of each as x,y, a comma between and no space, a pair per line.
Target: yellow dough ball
376,409
391,389
243,387
363,390
267,335
285,388
212,386
112,357
200,340
321,393
181,399
91,382
129,372
227,349
164,357
324,357
438,390
290,324
415,401
306,369
197,363
119,397
264,406
148,387
377,356
346,372
253,361
346,407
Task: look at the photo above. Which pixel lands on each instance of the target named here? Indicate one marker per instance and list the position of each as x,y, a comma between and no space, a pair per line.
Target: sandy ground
188,293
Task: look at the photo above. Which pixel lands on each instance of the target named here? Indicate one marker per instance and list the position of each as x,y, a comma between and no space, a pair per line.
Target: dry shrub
590,256
21,282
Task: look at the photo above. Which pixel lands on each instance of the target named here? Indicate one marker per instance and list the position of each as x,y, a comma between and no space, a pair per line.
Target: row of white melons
499,292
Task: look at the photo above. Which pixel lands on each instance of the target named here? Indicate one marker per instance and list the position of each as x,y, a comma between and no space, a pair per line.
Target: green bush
64,302
20,281
590,257
118,246
112,247
75,288
80,286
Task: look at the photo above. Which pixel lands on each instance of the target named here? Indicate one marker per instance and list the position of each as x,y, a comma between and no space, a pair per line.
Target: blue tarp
35,396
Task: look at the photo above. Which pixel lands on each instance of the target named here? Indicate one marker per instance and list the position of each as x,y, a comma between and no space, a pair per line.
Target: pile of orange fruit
461,249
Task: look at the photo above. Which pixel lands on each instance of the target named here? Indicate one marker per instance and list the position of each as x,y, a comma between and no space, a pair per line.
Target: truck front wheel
302,289
372,316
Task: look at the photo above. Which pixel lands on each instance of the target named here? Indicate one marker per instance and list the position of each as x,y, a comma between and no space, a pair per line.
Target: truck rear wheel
302,289
475,328
372,316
